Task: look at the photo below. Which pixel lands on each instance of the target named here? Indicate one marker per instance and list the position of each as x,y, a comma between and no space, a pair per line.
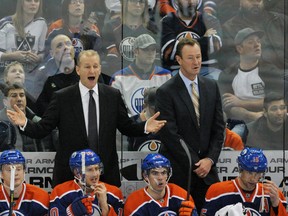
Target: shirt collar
84,90
187,81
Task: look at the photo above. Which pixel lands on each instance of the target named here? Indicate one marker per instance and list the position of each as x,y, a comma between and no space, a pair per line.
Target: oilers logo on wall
187,34
150,145
126,48
78,46
137,100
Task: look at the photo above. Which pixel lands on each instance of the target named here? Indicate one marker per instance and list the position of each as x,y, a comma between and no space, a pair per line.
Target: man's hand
203,167
154,125
17,117
187,209
100,192
271,189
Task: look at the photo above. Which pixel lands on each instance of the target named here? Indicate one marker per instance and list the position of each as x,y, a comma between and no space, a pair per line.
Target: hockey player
258,198
159,197
24,199
86,195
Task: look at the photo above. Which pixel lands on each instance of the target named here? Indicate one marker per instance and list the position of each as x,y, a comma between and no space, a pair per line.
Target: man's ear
178,59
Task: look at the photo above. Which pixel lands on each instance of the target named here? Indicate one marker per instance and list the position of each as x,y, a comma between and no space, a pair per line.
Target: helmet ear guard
252,160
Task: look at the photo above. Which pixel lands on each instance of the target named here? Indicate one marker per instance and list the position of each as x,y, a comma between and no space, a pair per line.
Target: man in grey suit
200,124
68,110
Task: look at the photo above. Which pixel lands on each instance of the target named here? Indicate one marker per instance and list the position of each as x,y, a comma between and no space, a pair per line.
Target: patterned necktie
195,100
92,123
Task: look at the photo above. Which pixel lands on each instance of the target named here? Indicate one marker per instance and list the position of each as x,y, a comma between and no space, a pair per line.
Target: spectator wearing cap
253,14
243,85
151,142
140,74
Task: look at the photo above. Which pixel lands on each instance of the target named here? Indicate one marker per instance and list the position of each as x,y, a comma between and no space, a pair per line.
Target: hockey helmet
91,158
155,160
12,157
252,159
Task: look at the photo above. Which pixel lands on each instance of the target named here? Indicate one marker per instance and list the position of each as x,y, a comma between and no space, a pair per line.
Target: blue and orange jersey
140,202
64,194
33,201
226,193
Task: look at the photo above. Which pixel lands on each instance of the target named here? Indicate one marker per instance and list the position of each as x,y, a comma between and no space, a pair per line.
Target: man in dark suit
200,125
68,110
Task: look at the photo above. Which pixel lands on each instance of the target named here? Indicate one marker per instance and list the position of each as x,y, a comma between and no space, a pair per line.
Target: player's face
92,173
248,180
250,48
158,179
146,56
62,49
76,8
252,7
19,174
89,69
190,61
276,113
135,7
16,96
15,74
31,6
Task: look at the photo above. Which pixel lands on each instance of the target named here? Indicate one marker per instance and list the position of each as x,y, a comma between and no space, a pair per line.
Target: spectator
86,194
14,74
159,197
243,85
171,6
270,132
64,73
27,199
194,116
152,141
258,198
82,31
190,23
142,73
120,33
69,109
252,14
22,38
15,95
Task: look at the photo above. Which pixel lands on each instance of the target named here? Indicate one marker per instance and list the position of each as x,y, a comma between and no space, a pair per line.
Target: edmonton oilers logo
187,34
78,45
126,48
167,213
14,213
137,100
150,145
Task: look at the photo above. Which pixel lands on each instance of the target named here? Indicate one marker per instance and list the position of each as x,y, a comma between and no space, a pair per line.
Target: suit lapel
78,109
203,98
185,96
102,111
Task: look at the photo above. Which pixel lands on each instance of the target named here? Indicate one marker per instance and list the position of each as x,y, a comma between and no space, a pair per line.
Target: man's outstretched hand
154,125
17,117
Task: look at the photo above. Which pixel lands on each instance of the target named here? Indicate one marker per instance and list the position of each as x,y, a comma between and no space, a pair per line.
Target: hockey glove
187,209
80,206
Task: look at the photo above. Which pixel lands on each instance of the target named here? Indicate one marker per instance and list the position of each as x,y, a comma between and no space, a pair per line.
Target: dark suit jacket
65,112
175,106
